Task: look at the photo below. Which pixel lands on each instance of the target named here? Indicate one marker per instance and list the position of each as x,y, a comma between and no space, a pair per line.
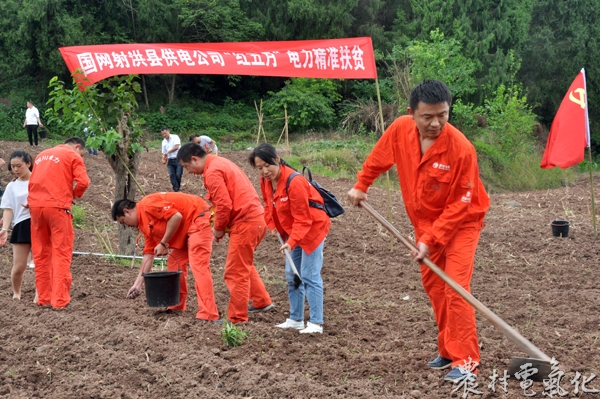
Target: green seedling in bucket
232,335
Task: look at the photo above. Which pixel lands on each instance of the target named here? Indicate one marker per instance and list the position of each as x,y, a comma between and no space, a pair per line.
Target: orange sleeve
380,160
298,196
457,205
219,196
82,181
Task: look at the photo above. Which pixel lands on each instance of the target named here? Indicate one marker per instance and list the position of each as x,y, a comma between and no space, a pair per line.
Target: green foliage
217,21
439,58
487,30
232,335
78,216
522,172
233,120
11,122
106,112
310,103
338,158
510,120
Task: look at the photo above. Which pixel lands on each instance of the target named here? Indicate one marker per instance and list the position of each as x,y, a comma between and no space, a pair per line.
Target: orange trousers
52,238
241,277
457,330
197,253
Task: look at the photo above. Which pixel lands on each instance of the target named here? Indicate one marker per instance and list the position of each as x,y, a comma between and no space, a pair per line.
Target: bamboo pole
592,191
387,174
259,113
287,139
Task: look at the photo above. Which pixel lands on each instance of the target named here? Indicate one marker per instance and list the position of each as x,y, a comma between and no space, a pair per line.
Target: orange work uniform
288,211
238,208
446,203
58,176
192,243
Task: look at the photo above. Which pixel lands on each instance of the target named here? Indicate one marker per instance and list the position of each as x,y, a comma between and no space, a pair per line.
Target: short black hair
189,150
162,129
264,151
30,102
430,92
119,207
75,140
193,137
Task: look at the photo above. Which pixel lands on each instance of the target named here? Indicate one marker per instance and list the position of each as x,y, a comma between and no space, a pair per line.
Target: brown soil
375,342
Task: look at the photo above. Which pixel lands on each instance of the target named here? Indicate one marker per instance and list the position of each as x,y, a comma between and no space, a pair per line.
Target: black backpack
332,206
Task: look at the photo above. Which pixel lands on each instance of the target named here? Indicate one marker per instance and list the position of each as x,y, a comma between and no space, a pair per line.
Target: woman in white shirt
16,215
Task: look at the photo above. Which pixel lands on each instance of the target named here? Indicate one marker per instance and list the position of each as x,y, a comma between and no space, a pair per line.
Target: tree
301,19
563,38
109,110
488,30
437,58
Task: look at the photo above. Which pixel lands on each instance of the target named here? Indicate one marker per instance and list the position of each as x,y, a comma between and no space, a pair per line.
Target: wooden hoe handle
509,332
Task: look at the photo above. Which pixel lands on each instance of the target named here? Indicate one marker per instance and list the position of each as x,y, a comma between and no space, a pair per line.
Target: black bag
332,206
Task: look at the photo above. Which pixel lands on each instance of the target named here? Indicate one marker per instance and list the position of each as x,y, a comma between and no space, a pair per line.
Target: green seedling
232,335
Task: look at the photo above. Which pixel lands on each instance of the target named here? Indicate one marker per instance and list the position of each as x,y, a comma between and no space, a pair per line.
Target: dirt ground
379,328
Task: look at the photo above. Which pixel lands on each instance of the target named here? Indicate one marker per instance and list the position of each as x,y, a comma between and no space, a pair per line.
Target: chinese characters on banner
336,58
553,385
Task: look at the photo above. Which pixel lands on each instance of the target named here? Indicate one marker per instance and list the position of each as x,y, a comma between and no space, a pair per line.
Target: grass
336,157
78,216
233,335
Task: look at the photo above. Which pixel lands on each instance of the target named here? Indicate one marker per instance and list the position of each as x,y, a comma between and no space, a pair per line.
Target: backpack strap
287,184
309,173
310,202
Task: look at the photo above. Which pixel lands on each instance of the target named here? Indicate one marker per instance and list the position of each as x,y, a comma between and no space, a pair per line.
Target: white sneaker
289,323
312,329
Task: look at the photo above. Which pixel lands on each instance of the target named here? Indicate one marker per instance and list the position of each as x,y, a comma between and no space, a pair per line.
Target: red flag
569,133
350,58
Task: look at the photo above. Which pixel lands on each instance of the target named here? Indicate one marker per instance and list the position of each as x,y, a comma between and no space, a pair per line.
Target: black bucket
560,228
43,134
162,288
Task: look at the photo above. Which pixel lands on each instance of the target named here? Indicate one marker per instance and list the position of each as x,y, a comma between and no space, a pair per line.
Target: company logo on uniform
283,199
47,158
166,208
466,198
440,166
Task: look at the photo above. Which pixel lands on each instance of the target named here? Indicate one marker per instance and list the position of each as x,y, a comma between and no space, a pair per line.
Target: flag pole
592,191
589,145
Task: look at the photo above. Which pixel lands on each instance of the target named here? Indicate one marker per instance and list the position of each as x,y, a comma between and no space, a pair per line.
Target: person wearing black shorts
16,215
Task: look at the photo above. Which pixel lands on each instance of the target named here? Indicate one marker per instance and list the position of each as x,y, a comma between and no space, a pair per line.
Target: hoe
538,360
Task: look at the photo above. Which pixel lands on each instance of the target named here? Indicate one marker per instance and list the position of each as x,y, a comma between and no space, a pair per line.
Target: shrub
310,103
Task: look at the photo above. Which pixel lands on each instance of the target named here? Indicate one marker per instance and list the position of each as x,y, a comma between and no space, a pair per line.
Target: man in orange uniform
446,203
58,176
238,210
180,222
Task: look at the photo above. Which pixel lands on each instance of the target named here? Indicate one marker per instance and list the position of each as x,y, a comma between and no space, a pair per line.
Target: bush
233,119
310,103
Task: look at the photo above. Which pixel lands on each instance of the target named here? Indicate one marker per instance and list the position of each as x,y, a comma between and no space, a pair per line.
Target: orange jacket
154,210
230,190
290,213
441,190
54,172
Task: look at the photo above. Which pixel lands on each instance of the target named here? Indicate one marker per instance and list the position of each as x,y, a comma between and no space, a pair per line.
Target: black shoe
252,309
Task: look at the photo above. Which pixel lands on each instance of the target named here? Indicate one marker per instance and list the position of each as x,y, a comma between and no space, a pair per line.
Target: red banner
336,58
569,133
